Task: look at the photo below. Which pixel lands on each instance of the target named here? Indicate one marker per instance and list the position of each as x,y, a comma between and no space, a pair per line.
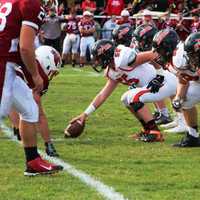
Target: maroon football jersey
86,25
72,25
14,14
26,76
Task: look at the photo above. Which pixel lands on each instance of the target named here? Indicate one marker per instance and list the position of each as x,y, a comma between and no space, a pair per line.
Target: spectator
52,29
195,26
87,29
108,27
147,18
114,7
124,20
88,5
182,27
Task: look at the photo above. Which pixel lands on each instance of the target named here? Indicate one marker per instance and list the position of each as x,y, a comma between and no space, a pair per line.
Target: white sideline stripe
106,191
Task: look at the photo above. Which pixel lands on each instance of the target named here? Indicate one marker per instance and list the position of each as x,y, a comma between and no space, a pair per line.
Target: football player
72,39
143,37
48,62
20,21
124,65
87,29
160,87
187,70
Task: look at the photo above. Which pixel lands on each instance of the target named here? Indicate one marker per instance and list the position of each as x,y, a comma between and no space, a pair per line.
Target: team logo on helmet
103,48
161,36
145,30
123,32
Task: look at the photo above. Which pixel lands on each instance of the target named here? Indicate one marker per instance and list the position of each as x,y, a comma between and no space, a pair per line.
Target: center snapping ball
74,129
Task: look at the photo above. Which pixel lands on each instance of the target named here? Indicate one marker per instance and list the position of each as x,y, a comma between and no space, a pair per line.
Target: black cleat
162,119
50,150
188,141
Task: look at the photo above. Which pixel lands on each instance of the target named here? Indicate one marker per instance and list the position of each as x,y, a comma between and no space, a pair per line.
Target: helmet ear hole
48,67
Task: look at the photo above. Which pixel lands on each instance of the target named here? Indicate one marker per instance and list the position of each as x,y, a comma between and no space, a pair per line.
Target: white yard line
106,191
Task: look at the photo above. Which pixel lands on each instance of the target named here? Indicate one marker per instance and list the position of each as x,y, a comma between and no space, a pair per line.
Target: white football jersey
180,63
140,75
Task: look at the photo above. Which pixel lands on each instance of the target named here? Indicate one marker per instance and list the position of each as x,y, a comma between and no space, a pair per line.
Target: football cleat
170,125
149,136
163,119
188,141
39,166
50,150
177,129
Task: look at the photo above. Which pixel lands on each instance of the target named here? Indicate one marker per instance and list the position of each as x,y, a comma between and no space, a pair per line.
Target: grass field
105,151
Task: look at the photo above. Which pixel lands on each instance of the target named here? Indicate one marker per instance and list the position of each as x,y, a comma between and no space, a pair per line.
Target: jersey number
5,10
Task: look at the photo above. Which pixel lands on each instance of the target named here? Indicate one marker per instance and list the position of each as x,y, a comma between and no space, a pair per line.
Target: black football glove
156,83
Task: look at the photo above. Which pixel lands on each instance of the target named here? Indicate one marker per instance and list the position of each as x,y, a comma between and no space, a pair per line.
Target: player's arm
144,57
98,100
27,52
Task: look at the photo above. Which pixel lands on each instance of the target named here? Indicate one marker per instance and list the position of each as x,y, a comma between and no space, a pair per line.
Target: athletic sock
31,153
151,125
193,131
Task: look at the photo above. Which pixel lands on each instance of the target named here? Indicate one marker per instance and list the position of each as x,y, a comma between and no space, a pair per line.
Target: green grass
136,170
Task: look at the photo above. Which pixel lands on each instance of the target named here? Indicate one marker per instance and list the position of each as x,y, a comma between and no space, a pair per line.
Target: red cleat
39,166
149,136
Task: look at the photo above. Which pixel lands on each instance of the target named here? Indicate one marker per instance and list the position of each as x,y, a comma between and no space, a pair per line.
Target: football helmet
144,36
49,59
164,43
102,53
192,48
122,35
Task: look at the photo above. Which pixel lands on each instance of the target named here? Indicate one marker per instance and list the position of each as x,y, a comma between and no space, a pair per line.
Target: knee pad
137,106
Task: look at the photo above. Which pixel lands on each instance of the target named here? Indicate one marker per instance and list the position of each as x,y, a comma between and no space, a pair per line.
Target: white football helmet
49,59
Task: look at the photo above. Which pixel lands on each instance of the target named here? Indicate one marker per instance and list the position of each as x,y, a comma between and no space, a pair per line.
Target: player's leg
150,132
66,50
14,118
83,48
190,114
43,128
91,41
24,104
75,46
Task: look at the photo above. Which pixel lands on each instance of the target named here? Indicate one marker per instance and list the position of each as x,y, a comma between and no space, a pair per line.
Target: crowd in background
85,21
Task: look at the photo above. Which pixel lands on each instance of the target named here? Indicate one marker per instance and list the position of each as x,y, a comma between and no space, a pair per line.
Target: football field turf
105,152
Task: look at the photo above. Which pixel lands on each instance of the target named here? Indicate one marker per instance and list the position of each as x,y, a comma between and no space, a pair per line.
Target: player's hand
82,118
38,82
156,83
177,104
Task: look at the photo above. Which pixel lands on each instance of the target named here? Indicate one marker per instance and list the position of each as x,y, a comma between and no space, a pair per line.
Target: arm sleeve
32,13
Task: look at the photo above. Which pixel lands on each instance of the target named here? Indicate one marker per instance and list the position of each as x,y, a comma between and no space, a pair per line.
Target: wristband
90,109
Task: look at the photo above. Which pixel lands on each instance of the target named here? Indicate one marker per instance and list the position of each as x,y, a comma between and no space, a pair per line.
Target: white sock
192,132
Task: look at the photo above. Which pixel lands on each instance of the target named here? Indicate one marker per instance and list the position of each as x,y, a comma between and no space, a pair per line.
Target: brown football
74,129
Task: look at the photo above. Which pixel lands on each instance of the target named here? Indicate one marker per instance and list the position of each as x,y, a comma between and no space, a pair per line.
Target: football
74,129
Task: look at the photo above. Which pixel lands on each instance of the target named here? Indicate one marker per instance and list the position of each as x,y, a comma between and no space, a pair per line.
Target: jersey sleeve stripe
28,23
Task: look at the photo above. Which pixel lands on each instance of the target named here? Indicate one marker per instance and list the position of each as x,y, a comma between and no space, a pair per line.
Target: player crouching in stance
187,71
123,65
48,62
162,85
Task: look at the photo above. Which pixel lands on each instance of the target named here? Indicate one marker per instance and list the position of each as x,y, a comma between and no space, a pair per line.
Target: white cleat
170,125
178,129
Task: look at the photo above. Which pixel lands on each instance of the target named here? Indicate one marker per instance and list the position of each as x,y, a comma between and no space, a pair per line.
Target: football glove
156,83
